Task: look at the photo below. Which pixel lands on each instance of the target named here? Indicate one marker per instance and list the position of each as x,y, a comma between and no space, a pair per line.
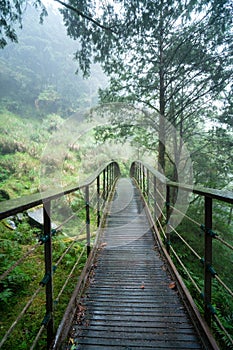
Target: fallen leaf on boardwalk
71,340
80,313
81,308
172,285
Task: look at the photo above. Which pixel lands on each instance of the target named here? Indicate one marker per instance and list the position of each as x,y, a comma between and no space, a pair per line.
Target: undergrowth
18,287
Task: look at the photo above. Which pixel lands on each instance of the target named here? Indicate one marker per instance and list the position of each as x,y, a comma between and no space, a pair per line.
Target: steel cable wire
94,195
70,274
196,254
163,215
224,285
186,243
186,270
18,262
224,242
10,330
37,337
162,230
68,248
186,216
64,285
218,238
198,289
69,218
217,320
157,190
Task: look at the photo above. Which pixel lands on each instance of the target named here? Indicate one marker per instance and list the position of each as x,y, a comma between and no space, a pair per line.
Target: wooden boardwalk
129,303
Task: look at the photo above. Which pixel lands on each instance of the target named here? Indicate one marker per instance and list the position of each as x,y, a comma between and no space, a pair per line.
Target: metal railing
96,190
156,190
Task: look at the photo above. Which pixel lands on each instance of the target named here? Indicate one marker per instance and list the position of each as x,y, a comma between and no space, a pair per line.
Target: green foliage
77,201
192,233
48,100
6,295
39,73
17,288
177,64
52,122
49,94
21,147
12,14
3,194
9,253
227,321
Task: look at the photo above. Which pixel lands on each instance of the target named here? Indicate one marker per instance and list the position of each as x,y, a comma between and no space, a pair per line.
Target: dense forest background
39,87
177,64
39,90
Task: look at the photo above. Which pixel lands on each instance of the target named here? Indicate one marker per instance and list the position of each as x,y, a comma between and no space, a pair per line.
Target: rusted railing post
48,279
112,174
148,185
88,236
155,199
109,177
139,175
117,170
132,171
136,172
98,199
107,182
104,184
208,260
168,236
143,181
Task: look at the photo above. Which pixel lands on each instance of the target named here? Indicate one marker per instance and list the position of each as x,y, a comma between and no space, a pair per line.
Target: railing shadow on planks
156,192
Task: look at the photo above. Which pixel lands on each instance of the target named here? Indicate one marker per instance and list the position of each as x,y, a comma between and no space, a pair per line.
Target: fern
6,295
224,339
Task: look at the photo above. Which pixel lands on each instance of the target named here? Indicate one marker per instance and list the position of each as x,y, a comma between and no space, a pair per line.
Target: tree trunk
162,127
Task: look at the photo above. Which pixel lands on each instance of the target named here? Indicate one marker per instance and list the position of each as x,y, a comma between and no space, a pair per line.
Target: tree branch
80,13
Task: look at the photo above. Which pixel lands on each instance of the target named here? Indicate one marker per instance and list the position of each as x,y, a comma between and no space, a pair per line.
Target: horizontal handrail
101,184
149,181
225,196
17,205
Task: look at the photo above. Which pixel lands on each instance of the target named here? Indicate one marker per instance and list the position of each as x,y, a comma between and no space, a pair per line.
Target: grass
24,284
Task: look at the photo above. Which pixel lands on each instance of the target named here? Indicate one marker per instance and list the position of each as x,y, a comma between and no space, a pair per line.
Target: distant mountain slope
39,71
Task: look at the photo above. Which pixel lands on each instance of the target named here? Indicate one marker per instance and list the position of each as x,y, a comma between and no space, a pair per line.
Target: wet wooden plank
128,304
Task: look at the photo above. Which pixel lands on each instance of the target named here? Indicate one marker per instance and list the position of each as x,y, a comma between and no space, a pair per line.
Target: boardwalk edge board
198,322
100,333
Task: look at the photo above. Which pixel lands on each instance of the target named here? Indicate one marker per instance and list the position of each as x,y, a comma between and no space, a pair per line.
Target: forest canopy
172,59
11,15
168,100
